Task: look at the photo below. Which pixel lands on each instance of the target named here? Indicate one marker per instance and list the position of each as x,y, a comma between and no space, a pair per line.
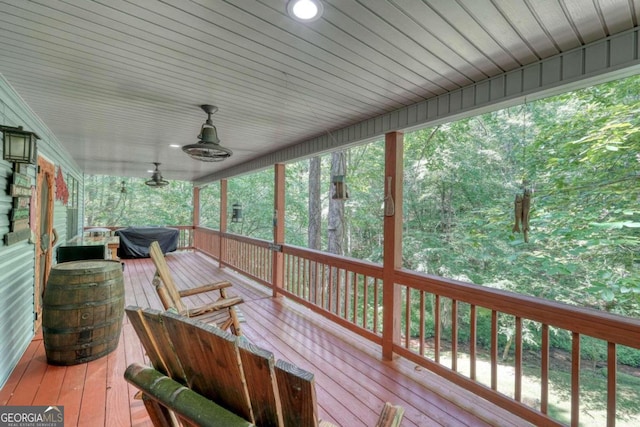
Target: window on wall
72,206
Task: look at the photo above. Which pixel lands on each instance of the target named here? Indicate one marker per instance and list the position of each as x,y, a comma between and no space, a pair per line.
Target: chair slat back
156,341
211,362
259,370
297,395
167,289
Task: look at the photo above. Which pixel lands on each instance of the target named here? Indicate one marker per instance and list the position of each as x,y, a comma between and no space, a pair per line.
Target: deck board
352,383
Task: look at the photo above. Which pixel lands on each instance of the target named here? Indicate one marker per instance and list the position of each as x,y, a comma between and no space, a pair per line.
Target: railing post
196,206
392,259
277,271
223,221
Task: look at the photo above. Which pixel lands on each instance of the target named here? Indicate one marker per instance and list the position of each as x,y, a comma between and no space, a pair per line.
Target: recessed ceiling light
305,10
174,146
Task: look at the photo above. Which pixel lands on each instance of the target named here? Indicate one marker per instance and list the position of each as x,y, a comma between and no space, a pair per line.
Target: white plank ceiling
118,81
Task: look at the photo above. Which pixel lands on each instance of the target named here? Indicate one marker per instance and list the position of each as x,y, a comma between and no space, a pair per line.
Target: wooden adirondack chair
229,382
220,313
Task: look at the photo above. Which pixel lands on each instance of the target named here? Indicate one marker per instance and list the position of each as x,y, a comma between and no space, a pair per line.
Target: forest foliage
579,154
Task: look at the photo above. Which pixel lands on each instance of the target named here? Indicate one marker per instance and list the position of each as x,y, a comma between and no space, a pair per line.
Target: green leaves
616,225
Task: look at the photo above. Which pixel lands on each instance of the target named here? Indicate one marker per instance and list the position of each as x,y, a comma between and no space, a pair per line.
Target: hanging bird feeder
236,212
340,188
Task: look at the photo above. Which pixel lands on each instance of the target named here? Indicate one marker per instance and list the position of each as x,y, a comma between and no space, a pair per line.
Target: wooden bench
220,313
243,383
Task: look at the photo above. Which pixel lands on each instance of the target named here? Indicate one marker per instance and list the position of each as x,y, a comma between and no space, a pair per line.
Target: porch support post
223,220
277,270
392,258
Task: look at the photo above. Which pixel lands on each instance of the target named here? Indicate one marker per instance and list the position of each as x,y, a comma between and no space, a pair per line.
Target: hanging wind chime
522,204
522,208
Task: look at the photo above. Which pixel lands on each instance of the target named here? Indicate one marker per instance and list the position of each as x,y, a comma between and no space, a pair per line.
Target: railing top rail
245,239
117,227
595,323
365,267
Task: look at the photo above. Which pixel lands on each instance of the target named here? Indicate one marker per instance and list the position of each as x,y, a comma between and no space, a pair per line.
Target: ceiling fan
208,148
156,178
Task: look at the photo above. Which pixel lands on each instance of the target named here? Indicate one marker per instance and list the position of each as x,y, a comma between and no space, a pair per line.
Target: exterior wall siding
60,225
17,261
615,57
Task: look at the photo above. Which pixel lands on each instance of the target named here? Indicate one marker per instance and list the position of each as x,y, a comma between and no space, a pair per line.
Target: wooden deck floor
352,383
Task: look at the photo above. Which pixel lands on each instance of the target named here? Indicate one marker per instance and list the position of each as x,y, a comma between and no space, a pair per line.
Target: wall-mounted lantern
19,145
340,187
236,212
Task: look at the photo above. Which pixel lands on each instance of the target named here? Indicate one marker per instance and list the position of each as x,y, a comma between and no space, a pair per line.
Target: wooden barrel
82,311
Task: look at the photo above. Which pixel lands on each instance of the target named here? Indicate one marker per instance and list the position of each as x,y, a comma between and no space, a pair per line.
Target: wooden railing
435,313
207,241
514,310
346,290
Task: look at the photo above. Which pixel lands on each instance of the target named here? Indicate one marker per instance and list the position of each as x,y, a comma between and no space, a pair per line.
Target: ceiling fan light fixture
156,178
305,10
208,148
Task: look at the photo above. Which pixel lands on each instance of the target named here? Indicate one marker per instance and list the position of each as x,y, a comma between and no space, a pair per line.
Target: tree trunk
507,347
315,209
315,225
336,227
336,208
446,211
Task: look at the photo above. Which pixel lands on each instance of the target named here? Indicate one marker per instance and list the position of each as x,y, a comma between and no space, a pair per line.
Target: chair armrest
204,288
221,304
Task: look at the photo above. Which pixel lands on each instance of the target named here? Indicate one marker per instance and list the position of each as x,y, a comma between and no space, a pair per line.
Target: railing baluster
330,287
407,316
473,335
494,350
575,379
323,283
436,324
299,290
306,284
312,295
313,283
376,304
544,370
454,335
365,301
287,272
421,323
291,274
354,306
339,292
612,364
518,361
262,262
270,257
346,294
